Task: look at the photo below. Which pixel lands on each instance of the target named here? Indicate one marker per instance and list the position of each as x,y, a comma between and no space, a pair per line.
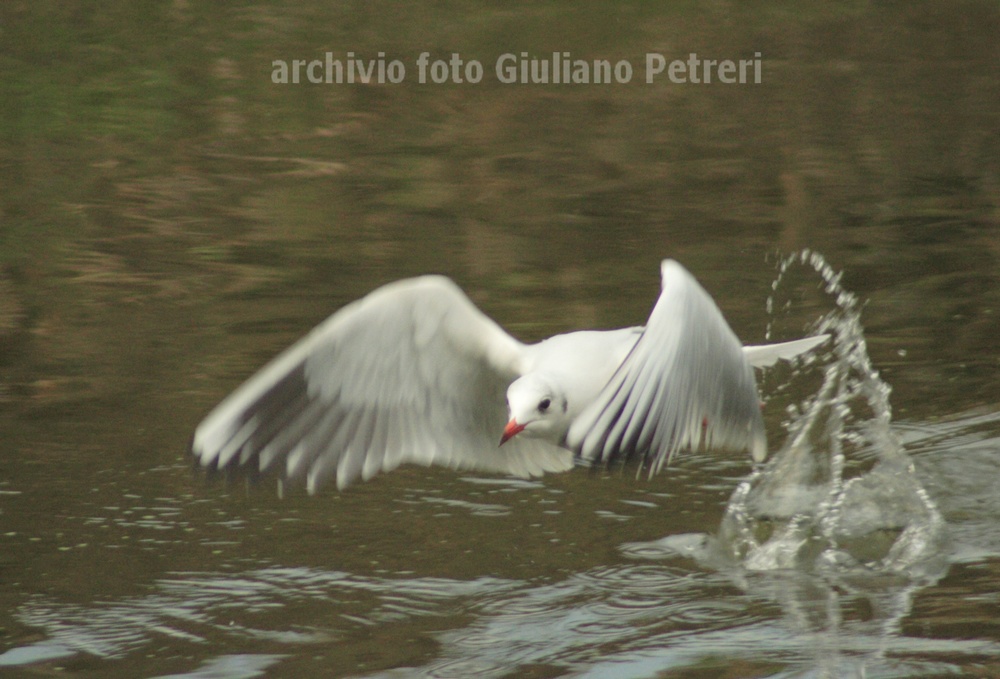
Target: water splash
841,495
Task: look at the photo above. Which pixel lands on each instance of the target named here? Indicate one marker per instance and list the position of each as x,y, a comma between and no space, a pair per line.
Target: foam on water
840,494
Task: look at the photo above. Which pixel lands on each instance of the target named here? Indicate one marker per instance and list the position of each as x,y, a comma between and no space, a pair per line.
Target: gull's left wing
686,384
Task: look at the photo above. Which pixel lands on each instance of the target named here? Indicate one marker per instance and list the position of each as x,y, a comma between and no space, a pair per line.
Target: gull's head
536,407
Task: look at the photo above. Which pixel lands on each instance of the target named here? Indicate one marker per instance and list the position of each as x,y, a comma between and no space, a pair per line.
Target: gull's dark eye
544,405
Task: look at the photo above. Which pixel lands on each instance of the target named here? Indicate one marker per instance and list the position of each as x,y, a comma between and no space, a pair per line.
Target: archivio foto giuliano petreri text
557,68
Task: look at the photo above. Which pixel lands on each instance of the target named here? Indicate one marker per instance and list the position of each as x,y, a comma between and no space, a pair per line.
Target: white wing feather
413,372
686,384
766,355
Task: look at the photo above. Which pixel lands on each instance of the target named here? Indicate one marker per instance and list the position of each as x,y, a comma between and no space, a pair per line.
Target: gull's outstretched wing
413,372
686,384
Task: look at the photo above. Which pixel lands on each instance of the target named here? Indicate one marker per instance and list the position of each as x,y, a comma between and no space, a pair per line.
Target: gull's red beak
511,430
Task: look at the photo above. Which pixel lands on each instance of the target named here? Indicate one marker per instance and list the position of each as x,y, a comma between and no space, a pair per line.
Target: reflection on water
198,607
231,667
627,620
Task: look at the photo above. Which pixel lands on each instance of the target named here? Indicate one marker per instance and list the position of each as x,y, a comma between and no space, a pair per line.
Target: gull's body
414,372
581,362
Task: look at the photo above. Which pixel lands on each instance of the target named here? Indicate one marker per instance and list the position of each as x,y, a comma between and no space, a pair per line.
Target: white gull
415,373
